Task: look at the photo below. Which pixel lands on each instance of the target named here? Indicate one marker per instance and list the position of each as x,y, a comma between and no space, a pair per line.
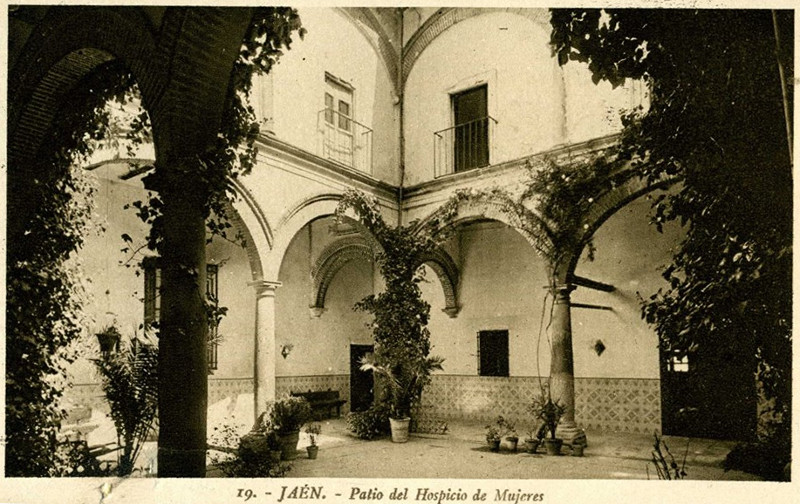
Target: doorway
707,395
471,140
362,383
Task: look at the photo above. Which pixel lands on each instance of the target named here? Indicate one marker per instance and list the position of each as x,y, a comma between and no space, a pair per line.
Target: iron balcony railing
344,140
463,147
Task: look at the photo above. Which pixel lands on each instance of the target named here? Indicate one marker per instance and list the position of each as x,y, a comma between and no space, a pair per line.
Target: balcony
344,140
463,147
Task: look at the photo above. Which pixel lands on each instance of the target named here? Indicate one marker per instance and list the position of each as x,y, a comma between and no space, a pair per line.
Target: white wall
116,291
537,104
500,288
321,346
297,87
630,256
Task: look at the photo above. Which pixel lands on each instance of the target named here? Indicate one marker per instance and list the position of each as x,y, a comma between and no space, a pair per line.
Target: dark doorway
471,136
362,384
707,396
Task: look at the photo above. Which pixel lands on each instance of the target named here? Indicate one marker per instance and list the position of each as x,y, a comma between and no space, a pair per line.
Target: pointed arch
250,223
297,217
468,211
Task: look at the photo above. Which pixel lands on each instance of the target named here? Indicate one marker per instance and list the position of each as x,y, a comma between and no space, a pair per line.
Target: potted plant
285,417
274,447
501,428
109,338
130,384
400,314
493,437
549,412
313,431
404,380
534,438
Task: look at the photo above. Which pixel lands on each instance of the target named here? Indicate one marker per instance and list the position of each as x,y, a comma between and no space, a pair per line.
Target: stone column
562,376
182,344
264,354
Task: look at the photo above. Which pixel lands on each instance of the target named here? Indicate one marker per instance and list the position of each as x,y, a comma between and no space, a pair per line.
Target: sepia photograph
399,252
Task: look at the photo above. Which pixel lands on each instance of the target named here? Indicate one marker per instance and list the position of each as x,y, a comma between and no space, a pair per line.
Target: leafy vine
400,315
550,208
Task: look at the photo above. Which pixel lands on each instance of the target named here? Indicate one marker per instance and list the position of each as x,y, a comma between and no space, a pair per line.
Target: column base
175,463
571,434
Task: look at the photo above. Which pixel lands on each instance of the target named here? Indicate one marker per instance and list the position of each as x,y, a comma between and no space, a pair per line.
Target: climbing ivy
549,205
716,122
44,286
400,315
49,211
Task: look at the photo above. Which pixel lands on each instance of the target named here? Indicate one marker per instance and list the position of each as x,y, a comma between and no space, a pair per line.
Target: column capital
265,287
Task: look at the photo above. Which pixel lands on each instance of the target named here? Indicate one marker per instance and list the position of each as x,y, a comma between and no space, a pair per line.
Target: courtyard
462,453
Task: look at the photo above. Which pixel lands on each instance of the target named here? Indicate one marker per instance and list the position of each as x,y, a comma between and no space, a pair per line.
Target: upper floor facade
469,89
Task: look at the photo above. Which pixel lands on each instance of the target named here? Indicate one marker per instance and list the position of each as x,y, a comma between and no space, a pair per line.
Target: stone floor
462,453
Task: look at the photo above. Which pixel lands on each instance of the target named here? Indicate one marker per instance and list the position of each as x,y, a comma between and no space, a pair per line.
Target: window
338,103
340,137
678,363
339,142
471,132
493,353
152,302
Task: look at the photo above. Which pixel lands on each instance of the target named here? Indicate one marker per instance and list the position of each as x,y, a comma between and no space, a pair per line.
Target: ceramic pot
531,445
288,442
553,446
312,451
399,429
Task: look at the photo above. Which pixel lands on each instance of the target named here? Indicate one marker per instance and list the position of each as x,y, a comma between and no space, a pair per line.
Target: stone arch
446,18
330,261
76,41
447,272
247,217
606,206
293,220
470,211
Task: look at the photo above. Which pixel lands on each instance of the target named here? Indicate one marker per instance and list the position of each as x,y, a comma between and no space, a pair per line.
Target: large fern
130,384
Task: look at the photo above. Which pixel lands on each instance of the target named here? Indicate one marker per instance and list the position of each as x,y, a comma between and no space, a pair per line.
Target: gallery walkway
462,453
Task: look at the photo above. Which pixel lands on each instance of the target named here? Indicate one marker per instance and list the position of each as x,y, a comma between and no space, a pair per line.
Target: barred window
493,353
152,302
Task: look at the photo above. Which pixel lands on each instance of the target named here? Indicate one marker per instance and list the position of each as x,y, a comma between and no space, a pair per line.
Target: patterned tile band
615,404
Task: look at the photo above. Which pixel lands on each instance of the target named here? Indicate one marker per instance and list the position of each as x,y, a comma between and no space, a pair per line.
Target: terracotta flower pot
577,450
553,446
288,442
399,429
494,445
312,451
531,445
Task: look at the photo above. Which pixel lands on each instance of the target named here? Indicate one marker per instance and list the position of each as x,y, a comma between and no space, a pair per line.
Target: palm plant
405,380
130,384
